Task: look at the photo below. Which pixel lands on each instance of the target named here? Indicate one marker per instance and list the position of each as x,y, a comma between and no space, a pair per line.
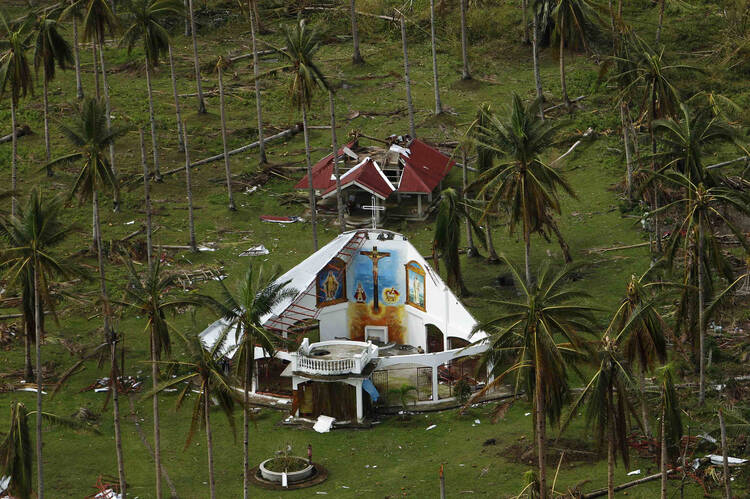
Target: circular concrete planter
292,477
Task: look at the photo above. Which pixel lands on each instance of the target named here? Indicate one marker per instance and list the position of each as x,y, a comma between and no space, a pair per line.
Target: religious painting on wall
331,284
415,295
376,294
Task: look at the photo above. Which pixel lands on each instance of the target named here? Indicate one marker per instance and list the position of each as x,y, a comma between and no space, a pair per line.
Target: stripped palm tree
483,163
50,50
536,339
438,103
243,311
196,63
302,43
670,428
221,64
147,24
251,13
356,57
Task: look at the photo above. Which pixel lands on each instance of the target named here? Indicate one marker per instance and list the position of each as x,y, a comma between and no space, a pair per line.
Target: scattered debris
719,460
430,427
280,219
634,472
489,441
85,415
206,248
4,483
323,424
127,384
256,250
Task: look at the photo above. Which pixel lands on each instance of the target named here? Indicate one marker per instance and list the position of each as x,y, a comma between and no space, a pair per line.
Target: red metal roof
322,172
424,168
366,175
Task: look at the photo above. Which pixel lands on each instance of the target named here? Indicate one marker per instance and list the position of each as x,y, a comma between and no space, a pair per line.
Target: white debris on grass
707,437
634,472
527,414
206,248
256,250
29,389
719,460
108,494
430,427
4,482
323,424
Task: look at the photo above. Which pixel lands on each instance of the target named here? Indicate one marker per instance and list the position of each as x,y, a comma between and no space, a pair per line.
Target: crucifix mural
375,255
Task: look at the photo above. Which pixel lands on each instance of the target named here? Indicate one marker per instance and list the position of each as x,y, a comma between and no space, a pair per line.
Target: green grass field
394,458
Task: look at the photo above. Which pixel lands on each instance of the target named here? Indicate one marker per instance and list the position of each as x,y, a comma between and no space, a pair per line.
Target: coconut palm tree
15,79
484,162
243,311
302,43
538,337
146,197
177,108
695,233
464,147
465,75
535,4
521,181
151,296
147,20
196,63
670,428
30,262
407,81
574,27
76,17
448,238
98,22
50,49
357,57
438,104
205,371
252,17
189,190
16,456
221,64
90,134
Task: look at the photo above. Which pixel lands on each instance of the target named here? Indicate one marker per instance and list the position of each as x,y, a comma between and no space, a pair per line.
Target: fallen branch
261,53
726,163
377,16
616,248
563,104
286,133
603,492
20,132
586,134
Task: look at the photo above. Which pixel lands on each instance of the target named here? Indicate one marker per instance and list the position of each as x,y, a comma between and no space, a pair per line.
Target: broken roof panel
424,168
366,175
322,171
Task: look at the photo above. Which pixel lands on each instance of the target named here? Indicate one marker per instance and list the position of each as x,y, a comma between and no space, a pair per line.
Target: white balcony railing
303,362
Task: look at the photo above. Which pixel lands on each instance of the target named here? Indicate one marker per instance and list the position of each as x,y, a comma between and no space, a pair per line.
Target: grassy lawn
395,458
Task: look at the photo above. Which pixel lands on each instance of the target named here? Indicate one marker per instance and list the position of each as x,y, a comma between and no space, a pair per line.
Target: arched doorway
435,339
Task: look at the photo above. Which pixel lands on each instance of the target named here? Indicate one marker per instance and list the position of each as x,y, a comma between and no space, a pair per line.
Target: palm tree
696,234
670,428
243,312
147,25
176,96
98,22
536,6
538,336
204,369
15,78
521,181
407,81
484,162
146,197
302,43
196,64
76,16
50,49
30,261
151,296
90,134
448,238
465,75
464,147
256,73
335,146
357,57
16,457
189,190
221,64
405,393
438,104
574,26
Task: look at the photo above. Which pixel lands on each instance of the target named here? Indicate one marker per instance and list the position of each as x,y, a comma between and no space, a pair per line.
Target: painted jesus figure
375,255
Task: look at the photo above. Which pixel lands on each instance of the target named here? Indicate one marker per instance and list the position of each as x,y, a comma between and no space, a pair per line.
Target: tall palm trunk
492,256
471,248
157,427
256,74
247,385
610,448
560,239
45,103
110,338
77,59
524,21
644,409
541,428
407,81
527,253
189,187
147,199
357,57
628,155
438,104
152,118
563,85
701,316
535,59
187,17
661,22
180,145
465,75
663,464
227,169
28,370
334,143
209,441
725,457
95,63
657,230
38,352
14,152
108,109
313,209
196,64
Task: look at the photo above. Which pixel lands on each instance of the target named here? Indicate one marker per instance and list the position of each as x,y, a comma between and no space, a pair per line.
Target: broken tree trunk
627,485
20,132
286,133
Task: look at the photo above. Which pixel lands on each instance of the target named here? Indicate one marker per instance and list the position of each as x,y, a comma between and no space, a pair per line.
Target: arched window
435,338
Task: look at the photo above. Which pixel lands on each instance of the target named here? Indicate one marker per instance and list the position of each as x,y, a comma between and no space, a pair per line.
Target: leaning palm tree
243,311
302,43
90,134
438,103
189,190
16,457
147,24
221,64
205,372
574,27
50,49
151,296
30,261
670,428
538,337
17,80
447,238
521,181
